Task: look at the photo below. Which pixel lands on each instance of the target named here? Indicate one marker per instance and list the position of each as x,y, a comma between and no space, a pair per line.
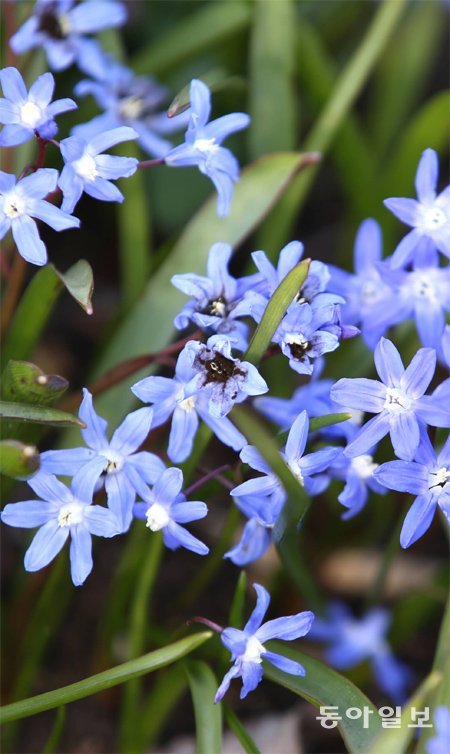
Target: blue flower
302,467
367,288
352,641
429,216
440,744
60,26
26,113
125,470
129,100
303,338
23,200
248,650
428,477
165,508
222,378
218,299
262,513
60,513
203,145
86,169
358,474
398,400
181,398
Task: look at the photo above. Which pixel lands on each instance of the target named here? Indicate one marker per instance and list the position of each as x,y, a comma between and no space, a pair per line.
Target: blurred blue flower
352,641
429,217
398,400
302,467
428,477
248,650
60,26
26,113
358,475
440,744
222,378
129,100
22,200
125,470
165,508
60,513
262,513
218,299
181,398
86,169
203,145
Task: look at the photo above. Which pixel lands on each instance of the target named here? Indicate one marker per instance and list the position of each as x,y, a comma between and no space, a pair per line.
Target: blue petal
12,135
403,476
29,244
431,411
46,544
288,628
253,544
418,519
121,498
148,466
405,435
360,393
234,672
103,190
41,91
368,245
388,363
182,432
65,462
298,435
13,85
182,538
257,616
107,139
53,216
86,478
200,99
48,487
192,510
407,210
419,373
168,486
224,429
404,251
284,663
252,673
130,435
95,433
71,186
222,127
80,554
101,521
112,167
318,461
393,677
368,436
427,176
28,513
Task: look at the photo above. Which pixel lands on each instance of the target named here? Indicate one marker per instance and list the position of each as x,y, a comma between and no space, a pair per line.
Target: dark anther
220,369
216,308
49,23
298,349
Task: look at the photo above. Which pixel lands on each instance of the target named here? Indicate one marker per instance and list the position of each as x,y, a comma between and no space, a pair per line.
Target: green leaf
239,731
37,303
327,420
272,48
38,414
149,325
324,687
101,681
79,282
17,460
208,716
24,382
275,311
206,28
236,617
397,740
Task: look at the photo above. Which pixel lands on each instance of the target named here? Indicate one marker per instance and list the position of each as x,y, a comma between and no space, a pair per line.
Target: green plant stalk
208,716
139,618
348,87
389,553
101,681
56,732
157,707
239,731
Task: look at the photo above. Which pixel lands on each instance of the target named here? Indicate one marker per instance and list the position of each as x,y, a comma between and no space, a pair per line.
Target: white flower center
157,517
13,205
438,480
86,167
253,650
71,514
422,286
364,466
64,24
131,107
188,404
30,114
115,460
370,292
296,470
362,637
207,146
397,400
433,218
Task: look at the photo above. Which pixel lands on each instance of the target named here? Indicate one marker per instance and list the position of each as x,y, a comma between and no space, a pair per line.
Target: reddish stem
209,623
204,479
150,163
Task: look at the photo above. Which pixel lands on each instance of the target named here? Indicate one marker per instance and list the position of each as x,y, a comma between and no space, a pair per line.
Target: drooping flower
428,477
224,379
165,508
125,470
440,744
180,398
358,473
217,301
304,337
398,400
60,513
129,100
86,169
203,145
262,513
61,26
25,114
429,216
23,200
248,650
352,641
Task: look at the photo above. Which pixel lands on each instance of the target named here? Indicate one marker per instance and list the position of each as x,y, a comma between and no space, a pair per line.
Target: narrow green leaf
272,47
24,382
56,732
156,709
204,29
208,716
101,681
236,617
441,664
239,731
397,740
79,282
149,325
275,311
17,460
38,414
322,686
327,420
